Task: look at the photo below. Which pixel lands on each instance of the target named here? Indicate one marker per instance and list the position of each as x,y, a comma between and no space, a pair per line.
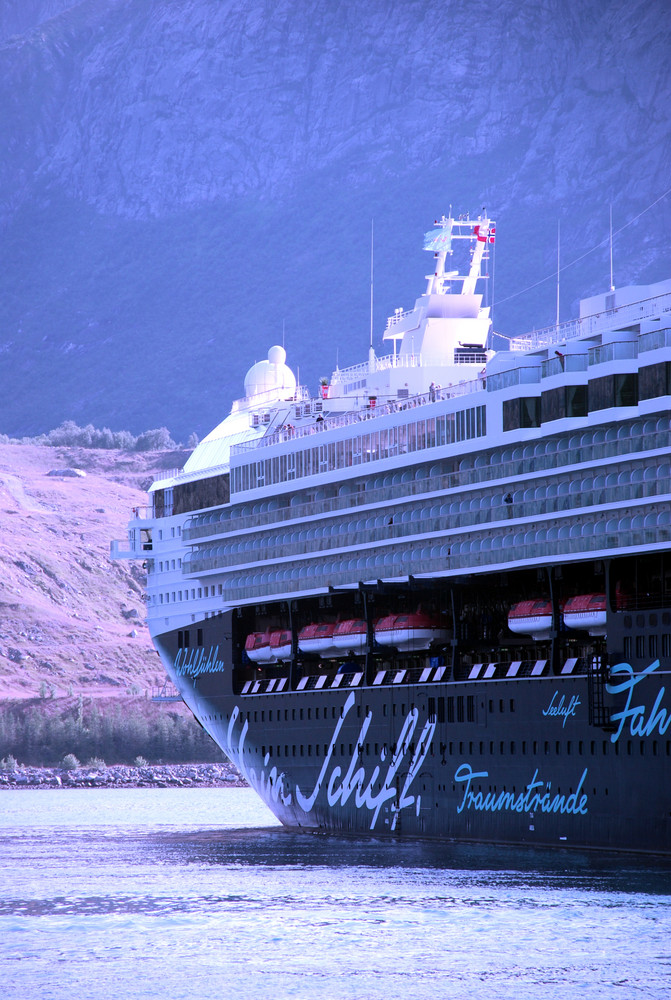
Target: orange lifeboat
408,632
532,618
350,636
280,644
586,613
317,638
257,647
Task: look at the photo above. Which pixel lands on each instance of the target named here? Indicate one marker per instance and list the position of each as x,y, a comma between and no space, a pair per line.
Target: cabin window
655,380
522,412
613,390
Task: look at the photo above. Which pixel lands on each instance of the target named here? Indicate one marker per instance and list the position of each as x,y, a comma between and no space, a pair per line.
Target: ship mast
484,232
480,231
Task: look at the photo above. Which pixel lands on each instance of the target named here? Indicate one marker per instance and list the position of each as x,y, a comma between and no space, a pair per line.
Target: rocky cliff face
179,179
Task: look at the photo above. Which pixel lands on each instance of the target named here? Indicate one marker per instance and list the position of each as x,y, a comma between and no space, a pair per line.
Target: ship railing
127,548
268,397
609,319
499,545
308,682
625,438
398,316
368,412
159,477
434,671
342,679
353,373
448,517
343,376
143,512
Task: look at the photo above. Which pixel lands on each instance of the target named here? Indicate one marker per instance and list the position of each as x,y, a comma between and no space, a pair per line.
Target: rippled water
197,893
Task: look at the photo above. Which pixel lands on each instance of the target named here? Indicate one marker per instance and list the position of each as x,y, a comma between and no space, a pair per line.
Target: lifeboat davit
410,631
280,644
317,638
257,647
586,613
350,636
532,618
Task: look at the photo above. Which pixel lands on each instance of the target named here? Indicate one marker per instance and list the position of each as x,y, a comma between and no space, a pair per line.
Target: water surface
198,893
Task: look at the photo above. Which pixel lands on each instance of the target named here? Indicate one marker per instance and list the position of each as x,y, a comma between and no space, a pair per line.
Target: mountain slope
71,621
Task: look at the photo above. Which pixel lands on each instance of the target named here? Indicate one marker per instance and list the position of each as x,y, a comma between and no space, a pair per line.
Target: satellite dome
271,376
277,355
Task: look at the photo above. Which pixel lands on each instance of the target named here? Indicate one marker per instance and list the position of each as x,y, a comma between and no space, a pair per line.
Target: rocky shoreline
223,775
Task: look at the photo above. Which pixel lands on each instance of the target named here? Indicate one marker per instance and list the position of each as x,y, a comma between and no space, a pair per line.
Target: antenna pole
612,286
558,243
490,335
371,283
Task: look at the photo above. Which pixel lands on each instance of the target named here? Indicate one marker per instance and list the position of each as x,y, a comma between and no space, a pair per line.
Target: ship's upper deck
553,450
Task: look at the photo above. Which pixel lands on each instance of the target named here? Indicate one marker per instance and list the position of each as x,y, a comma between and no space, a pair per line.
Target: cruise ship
433,598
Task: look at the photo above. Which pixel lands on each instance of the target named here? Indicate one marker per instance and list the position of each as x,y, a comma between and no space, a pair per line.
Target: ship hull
512,761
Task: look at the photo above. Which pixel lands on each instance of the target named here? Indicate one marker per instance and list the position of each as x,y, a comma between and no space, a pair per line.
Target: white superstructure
432,460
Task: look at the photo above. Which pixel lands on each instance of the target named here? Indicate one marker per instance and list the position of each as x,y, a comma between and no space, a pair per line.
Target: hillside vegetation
77,668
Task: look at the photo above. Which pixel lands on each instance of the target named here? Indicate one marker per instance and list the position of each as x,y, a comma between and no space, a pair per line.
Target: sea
199,893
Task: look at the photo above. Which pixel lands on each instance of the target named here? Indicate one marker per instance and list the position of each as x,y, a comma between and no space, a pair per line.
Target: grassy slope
76,664
67,613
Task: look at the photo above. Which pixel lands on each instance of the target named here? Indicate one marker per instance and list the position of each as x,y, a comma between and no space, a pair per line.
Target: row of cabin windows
581,748
572,401
184,497
404,439
173,596
501,748
637,645
184,638
494,464
439,709
174,532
